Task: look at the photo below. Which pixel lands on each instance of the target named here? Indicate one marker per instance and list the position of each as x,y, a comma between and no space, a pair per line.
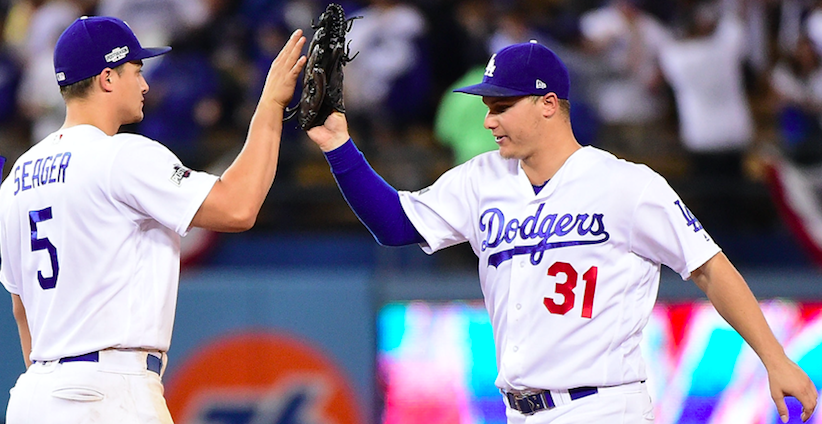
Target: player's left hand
787,379
331,134
282,75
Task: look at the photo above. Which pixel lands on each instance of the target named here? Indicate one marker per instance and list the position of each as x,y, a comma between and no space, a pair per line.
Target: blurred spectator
157,22
796,80
388,84
813,24
466,24
11,144
16,22
38,95
9,81
705,69
704,64
459,123
512,27
183,102
630,96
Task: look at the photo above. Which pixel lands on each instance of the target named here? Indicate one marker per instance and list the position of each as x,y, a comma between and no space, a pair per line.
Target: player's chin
507,153
137,118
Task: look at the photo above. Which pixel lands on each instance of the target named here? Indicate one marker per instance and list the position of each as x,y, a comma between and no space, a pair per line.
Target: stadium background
304,319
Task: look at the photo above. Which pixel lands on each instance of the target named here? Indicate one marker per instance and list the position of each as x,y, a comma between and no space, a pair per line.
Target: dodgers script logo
554,230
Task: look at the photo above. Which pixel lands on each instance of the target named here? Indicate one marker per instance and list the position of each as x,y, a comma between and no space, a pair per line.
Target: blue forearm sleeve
375,203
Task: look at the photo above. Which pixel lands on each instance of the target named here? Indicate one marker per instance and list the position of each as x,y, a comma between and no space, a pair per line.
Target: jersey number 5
44,244
566,289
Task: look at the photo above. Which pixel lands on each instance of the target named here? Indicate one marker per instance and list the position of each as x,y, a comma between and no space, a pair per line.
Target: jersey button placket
517,295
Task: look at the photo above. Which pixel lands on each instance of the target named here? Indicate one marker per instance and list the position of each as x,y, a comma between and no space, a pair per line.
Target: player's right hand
788,379
331,134
282,75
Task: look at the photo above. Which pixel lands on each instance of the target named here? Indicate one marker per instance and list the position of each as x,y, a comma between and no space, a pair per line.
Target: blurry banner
261,377
796,191
437,364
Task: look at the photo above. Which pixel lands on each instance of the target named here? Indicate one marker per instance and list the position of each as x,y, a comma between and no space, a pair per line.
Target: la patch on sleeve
180,172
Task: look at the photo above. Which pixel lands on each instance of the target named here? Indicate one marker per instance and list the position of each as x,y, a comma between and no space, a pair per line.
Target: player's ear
550,104
105,80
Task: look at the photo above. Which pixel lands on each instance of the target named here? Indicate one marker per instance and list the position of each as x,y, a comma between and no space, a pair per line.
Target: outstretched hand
282,75
789,380
331,134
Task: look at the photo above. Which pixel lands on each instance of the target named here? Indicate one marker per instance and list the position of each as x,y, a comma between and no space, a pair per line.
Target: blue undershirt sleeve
374,201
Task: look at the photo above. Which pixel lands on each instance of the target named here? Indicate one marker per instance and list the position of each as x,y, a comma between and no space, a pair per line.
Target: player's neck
544,164
82,112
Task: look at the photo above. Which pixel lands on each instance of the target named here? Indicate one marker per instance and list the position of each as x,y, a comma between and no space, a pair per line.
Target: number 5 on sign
566,289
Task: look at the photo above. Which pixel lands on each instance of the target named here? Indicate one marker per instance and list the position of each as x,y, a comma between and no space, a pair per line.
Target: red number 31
566,289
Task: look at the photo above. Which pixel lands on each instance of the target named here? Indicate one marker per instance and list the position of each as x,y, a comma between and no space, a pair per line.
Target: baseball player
570,241
90,229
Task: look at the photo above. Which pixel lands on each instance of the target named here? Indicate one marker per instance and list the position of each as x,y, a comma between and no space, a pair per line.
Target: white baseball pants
117,389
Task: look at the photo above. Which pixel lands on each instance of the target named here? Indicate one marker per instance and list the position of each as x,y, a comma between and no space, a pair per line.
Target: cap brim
152,52
490,90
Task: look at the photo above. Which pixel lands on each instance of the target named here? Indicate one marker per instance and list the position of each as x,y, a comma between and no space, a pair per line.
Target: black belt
153,363
534,402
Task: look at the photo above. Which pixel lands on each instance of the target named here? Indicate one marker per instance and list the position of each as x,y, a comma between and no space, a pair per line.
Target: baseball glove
323,79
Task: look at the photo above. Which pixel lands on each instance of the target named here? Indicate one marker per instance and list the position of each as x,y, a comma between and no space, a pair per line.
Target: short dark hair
82,88
565,107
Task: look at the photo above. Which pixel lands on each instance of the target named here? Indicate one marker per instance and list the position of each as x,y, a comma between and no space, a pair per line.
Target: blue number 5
44,244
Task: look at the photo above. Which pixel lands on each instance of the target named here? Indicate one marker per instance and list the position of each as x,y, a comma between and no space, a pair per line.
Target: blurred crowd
696,89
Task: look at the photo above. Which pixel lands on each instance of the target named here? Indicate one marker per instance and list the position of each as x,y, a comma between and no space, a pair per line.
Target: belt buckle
530,403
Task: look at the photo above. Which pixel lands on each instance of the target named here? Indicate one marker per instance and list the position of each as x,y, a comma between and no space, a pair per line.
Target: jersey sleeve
441,212
150,179
665,231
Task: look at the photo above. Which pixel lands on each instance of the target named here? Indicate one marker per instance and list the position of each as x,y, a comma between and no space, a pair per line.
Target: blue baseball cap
522,70
93,43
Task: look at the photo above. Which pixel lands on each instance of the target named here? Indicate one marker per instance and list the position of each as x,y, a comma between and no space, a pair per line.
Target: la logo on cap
489,70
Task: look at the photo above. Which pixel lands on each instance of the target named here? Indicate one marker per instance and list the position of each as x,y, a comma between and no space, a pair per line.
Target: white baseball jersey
90,229
569,275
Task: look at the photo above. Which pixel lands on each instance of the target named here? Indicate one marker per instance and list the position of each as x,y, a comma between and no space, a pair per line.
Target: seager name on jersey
554,231
35,173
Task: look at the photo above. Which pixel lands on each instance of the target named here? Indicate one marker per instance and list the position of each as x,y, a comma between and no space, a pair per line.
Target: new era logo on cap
521,70
93,43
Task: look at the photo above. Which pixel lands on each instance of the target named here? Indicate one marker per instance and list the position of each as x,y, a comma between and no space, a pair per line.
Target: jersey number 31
36,217
566,289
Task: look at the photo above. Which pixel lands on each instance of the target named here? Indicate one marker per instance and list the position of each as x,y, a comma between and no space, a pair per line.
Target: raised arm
373,200
236,198
733,299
